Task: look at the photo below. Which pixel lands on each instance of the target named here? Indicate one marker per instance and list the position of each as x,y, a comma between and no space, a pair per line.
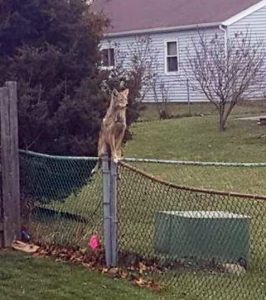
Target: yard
195,138
150,111
184,218
26,278
198,139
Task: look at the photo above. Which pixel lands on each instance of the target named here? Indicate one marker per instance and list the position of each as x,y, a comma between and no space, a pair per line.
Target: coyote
113,127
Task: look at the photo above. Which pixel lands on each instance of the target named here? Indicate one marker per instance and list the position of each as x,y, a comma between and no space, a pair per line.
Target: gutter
162,29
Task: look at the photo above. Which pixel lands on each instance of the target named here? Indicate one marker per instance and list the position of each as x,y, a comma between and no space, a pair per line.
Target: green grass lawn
139,198
26,278
198,139
150,111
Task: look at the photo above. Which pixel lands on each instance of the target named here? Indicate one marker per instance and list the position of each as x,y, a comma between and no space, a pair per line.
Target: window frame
109,67
166,42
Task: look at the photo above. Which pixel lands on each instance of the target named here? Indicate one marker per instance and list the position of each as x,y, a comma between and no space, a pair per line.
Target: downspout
224,29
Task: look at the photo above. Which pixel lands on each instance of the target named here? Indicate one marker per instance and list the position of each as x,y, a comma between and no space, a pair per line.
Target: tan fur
113,126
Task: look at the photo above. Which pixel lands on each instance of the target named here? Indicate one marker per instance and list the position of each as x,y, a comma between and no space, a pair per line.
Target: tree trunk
224,115
222,126
221,120
230,109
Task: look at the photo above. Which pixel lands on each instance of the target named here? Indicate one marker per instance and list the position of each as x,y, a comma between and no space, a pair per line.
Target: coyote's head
119,99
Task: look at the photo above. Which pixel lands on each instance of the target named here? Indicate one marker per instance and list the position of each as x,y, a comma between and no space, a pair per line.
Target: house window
108,57
171,57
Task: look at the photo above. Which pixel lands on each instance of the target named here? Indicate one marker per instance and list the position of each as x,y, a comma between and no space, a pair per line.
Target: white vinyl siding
175,82
255,23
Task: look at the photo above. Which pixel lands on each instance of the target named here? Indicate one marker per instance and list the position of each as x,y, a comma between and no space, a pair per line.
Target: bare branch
138,61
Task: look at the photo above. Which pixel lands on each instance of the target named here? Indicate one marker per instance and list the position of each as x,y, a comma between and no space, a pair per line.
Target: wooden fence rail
10,196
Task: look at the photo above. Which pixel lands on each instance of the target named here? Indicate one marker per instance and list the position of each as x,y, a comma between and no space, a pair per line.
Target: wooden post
1,222
10,164
3,96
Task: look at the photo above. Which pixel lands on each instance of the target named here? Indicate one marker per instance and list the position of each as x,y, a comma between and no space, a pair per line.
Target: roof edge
244,13
162,29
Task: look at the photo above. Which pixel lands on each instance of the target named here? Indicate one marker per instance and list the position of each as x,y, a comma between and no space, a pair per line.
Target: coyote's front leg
119,144
114,154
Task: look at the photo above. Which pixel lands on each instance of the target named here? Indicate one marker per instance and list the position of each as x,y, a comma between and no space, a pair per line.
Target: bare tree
134,69
225,70
136,62
161,96
142,63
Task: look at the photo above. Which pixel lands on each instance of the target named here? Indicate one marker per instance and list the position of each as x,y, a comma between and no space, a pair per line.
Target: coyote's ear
115,92
125,93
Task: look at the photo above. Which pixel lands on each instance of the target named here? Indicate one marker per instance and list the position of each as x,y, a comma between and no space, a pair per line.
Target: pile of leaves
139,273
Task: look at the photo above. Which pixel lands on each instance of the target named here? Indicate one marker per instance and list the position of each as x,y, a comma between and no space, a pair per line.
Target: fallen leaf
139,282
86,265
155,286
105,270
142,268
113,271
124,275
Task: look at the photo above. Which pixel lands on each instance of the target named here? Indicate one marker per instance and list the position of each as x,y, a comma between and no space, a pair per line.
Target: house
171,25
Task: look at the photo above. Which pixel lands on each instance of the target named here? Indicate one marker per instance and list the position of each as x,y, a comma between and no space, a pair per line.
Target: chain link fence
207,243
245,178
198,228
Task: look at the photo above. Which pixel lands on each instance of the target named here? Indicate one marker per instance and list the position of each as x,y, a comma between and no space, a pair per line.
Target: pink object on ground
93,242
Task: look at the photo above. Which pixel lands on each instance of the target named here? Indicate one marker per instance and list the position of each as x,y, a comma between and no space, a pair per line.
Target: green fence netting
61,200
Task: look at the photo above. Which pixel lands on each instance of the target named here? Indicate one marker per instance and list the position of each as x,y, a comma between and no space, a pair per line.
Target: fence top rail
58,157
195,190
152,161
194,163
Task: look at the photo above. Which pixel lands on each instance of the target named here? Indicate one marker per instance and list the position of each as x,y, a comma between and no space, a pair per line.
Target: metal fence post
107,210
113,194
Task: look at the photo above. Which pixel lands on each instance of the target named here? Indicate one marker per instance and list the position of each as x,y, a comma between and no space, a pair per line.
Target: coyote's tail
97,167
